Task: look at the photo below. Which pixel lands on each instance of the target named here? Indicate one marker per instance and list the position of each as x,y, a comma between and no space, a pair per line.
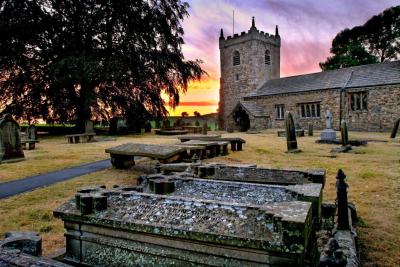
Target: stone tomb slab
236,142
213,148
122,156
139,228
251,174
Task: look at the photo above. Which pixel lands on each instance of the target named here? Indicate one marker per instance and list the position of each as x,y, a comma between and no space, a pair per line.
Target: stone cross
10,140
328,117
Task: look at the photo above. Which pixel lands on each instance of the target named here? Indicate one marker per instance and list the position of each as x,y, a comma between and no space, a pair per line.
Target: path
12,188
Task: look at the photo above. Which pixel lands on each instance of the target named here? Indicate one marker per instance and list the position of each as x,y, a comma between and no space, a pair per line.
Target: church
253,96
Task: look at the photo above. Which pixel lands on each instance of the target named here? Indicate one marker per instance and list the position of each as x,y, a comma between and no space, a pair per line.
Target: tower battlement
252,34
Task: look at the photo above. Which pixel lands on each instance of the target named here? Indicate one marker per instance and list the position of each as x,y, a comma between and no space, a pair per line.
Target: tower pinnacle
276,31
253,25
221,36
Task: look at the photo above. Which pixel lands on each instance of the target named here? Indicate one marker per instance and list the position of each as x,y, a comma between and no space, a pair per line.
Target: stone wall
383,108
328,100
256,123
238,81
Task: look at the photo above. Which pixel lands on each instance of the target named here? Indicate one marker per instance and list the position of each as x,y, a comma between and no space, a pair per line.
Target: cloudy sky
306,27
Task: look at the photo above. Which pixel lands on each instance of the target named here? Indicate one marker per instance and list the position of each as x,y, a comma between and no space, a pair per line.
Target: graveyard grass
372,171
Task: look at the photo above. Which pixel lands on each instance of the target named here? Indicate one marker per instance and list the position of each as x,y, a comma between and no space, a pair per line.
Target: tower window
237,77
267,57
236,58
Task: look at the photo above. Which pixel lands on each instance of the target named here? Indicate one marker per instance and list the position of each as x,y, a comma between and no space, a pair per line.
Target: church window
236,58
267,57
358,101
310,110
280,111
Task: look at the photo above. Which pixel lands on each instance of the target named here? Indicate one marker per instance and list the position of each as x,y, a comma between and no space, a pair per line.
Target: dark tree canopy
378,40
78,59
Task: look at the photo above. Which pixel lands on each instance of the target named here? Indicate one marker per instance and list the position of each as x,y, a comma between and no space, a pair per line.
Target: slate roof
359,76
252,108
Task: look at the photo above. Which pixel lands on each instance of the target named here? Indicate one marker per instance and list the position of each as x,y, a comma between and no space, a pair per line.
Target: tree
196,113
377,40
382,34
184,114
73,60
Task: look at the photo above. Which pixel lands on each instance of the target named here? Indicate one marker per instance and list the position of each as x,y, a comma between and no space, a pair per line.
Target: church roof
252,108
359,76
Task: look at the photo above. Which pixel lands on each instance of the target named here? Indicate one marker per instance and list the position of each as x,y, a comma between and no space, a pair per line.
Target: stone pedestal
328,135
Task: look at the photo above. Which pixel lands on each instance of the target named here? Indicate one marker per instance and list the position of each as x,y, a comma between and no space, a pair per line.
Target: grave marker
10,141
290,133
395,129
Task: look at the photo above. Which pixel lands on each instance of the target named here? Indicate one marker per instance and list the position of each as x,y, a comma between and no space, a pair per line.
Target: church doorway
242,119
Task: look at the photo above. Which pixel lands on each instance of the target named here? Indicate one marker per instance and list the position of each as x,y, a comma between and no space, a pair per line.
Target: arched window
267,57
236,58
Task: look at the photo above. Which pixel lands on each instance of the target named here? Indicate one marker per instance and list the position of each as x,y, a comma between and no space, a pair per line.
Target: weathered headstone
310,129
395,129
10,141
328,134
31,132
342,203
89,127
344,133
205,128
290,133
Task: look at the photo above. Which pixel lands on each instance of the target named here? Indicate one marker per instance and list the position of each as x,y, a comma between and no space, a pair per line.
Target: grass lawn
373,176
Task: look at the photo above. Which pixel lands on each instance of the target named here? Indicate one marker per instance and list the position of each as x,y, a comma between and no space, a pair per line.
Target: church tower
247,61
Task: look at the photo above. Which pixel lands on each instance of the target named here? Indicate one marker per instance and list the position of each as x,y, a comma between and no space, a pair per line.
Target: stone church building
253,96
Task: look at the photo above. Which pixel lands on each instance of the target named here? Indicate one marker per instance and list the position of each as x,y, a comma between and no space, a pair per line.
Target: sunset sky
306,27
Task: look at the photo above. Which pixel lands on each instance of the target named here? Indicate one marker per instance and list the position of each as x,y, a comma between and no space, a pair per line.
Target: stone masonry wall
383,108
256,123
252,70
328,99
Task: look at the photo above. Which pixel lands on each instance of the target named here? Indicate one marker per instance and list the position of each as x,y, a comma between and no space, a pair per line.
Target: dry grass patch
54,153
372,171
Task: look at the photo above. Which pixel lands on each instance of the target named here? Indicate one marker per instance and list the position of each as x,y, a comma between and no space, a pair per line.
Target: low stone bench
214,148
236,142
123,156
200,151
29,144
76,138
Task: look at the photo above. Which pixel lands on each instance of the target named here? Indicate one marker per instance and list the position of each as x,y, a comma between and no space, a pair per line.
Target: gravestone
310,129
290,133
205,128
328,134
31,132
10,141
344,133
395,129
89,127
